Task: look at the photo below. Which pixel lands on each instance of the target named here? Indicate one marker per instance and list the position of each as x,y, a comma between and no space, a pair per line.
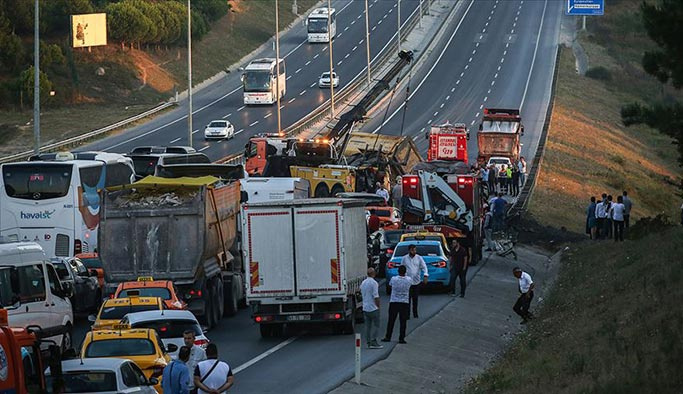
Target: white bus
54,199
260,81
317,25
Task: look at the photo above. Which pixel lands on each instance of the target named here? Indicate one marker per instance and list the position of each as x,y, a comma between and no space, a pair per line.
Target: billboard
88,30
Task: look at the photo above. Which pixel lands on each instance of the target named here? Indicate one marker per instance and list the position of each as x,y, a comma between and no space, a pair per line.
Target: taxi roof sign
121,326
145,279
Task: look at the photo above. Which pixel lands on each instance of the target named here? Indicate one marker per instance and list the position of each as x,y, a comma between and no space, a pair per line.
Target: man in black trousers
399,304
458,267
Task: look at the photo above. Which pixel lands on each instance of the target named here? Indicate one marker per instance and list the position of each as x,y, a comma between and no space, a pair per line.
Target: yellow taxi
146,286
427,236
141,345
113,309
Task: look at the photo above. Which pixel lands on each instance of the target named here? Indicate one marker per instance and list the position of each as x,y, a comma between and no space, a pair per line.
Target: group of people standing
504,179
608,219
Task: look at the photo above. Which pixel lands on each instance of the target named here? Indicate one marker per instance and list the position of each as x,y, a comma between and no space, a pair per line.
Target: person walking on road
397,193
591,221
369,289
213,376
415,264
458,267
498,207
197,354
399,304
176,376
488,229
492,180
526,290
617,213
628,204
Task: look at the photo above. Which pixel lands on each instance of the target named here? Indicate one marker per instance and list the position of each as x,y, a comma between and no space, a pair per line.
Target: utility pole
36,79
399,25
420,11
277,63
367,40
189,74
329,43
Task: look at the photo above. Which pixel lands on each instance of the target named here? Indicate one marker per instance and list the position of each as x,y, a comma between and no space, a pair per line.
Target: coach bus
317,24
260,81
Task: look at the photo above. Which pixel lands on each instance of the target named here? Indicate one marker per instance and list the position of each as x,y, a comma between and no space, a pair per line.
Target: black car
87,293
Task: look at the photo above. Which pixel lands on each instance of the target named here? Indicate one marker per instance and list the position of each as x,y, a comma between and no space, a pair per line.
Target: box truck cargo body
305,260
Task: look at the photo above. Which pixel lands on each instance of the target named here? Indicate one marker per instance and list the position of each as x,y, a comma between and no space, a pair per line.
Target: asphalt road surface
495,54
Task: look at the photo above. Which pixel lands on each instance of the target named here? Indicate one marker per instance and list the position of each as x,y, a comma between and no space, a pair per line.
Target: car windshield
62,270
171,328
317,25
423,238
37,181
160,292
392,237
383,213
120,347
422,250
257,81
118,312
499,161
145,165
218,124
6,293
85,382
91,262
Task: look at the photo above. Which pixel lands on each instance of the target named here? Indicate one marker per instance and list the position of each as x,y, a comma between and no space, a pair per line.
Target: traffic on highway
125,258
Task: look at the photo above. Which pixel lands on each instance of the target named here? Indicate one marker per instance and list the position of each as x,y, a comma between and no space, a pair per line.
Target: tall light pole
36,80
277,62
399,25
329,43
189,74
367,40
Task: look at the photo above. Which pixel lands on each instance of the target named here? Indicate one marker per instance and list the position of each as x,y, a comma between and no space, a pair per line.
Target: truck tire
231,299
209,295
337,188
321,191
266,330
349,326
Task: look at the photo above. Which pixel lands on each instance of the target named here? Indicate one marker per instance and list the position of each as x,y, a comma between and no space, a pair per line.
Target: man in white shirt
213,376
414,264
197,353
369,289
601,215
526,289
399,304
381,191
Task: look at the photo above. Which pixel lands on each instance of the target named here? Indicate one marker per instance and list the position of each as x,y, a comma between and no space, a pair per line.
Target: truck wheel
321,191
231,295
209,296
337,189
266,330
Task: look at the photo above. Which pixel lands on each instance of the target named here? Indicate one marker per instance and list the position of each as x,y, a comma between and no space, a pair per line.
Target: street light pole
329,43
399,25
277,62
36,80
367,40
189,73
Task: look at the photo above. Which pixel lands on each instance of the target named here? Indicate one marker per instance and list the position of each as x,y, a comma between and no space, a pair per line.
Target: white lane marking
324,49
347,56
430,121
302,92
297,71
353,21
313,84
489,91
472,123
358,17
533,60
442,104
461,74
493,82
175,140
228,115
307,63
448,97
291,101
499,68
287,79
239,131
379,22
253,124
204,148
474,51
422,129
339,35
477,45
346,28
467,66
477,115
415,138
486,98
316,56
452,90
495,76
486,24
457,83
241,108
435,113
385,16
360,42
481,106
354,48
469,59
195,131
339,63
483,30
373,28
268,115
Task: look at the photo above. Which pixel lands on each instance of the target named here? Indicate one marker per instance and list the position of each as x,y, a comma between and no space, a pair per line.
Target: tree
174,15
212,10
50,54
56,14
27,78
662,22
12,55
126,23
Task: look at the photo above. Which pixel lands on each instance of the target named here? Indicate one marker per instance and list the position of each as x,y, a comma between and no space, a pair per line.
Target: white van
32,294
275,189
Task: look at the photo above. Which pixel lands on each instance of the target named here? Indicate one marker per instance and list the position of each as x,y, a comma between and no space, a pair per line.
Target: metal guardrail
525,194
69,142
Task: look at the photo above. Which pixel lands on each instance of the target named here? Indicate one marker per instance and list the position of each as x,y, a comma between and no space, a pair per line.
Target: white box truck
305,260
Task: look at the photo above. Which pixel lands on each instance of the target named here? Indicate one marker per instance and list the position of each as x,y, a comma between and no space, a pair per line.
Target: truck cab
448,142
21,363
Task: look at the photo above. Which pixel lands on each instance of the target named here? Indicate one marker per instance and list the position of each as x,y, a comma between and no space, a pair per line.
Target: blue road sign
585,7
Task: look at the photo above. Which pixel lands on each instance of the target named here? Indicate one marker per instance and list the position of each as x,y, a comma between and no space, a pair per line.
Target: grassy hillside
612,324
136,80
589,151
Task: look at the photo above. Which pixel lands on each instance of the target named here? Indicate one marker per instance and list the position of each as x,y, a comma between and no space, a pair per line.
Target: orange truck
448,142
499,134
21,362
264,146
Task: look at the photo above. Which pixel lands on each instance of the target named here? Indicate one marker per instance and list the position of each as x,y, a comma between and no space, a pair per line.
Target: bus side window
282,68
118,174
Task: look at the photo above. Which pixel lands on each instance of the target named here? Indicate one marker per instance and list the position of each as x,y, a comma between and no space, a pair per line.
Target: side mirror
153,381
170,348
68,289
92,318
242,78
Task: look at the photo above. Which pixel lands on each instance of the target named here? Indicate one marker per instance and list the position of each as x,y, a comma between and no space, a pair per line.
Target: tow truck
448,142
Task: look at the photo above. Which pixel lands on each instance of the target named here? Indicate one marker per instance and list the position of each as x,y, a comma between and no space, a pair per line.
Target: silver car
102,375
219,129
170,325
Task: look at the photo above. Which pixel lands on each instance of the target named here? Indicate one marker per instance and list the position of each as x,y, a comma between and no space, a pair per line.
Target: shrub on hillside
649,225
600,73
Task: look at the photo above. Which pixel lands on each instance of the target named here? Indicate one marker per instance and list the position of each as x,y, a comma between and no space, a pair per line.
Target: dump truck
448,142
499,134
180,229
312,270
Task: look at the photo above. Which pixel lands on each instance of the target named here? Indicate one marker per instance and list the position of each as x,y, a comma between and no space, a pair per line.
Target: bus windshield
257,81
37,181
317,25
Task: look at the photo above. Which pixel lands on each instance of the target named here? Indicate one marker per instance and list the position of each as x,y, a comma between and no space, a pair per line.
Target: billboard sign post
585,7
88,30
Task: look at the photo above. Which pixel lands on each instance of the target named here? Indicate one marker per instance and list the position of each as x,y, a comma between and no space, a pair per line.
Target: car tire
67,338
231,302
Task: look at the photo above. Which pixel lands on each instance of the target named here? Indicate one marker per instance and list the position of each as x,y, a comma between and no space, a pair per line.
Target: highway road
304,62
495,53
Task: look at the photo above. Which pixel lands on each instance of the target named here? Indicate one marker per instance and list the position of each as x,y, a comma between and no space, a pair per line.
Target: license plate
299,317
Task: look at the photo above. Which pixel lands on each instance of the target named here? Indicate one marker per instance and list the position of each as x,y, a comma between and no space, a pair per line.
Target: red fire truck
448,142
